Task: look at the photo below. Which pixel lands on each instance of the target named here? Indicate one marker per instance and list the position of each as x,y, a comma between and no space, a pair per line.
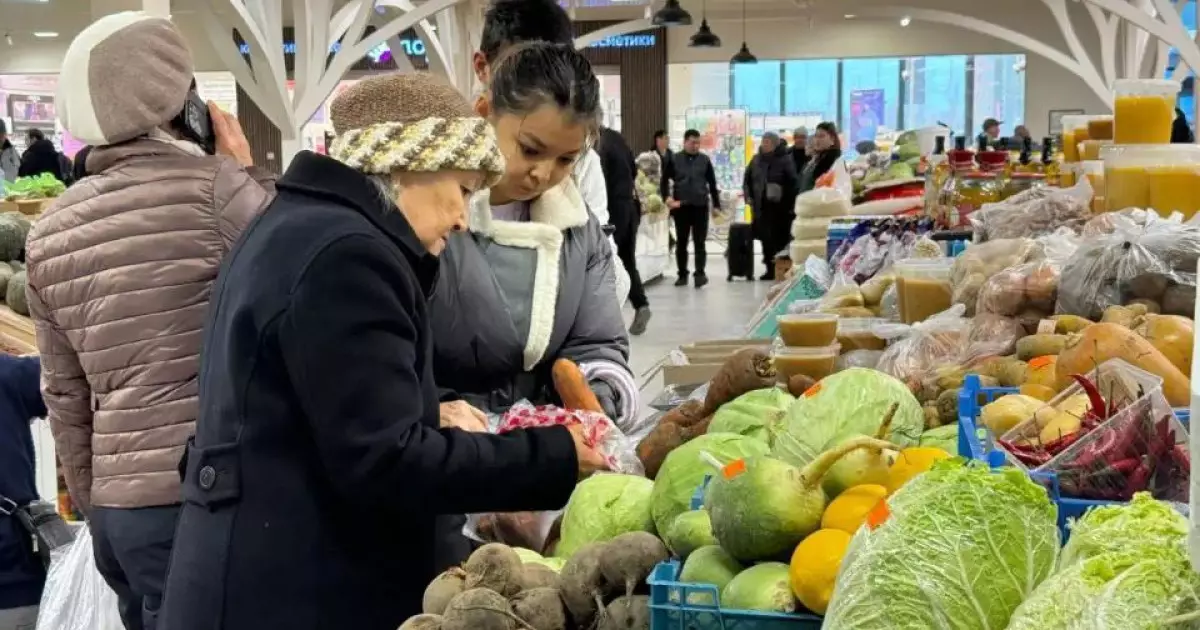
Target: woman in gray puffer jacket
533,279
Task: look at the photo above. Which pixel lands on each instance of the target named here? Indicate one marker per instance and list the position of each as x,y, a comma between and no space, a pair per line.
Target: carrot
573,388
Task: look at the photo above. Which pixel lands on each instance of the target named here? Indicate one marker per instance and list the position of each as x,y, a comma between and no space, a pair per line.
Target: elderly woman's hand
461,415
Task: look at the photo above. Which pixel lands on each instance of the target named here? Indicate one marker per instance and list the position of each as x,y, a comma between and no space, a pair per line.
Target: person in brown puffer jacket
120,270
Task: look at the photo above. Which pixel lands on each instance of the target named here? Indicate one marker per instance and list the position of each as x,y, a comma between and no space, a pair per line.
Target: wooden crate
16,333
31,207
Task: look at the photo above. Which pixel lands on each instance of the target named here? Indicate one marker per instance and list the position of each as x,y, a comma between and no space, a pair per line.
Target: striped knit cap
411,122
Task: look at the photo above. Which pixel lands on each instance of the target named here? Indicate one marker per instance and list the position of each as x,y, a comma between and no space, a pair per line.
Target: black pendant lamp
672,15
705,38
744,56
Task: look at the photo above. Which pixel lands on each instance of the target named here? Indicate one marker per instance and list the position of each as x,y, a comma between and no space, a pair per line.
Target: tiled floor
684,314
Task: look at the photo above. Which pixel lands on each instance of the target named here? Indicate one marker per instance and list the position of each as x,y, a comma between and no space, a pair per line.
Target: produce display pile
44,186
14,228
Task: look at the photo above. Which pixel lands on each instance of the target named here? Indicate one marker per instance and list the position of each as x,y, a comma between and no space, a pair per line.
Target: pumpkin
1172,335
1100,342
814,567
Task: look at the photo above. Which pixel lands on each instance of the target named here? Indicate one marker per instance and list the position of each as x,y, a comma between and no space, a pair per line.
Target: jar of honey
1074,131
923,287
1100,127
1089,150
1093,170
1144,110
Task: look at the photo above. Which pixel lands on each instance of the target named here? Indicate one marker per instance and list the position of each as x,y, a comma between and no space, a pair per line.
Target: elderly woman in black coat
317,483
771,185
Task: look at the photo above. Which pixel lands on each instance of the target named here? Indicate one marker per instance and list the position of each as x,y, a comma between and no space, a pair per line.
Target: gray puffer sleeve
598,341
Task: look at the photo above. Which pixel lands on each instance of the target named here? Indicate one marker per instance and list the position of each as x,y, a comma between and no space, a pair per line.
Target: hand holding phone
229,139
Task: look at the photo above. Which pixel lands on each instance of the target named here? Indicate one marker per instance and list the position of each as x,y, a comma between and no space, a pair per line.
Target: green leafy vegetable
944,437
757,414
684,470
603,507
1142,523
962,548
847,404
42,186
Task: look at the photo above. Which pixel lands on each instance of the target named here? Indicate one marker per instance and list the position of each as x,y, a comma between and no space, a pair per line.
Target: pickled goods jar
815,363
1144,110
1074,131
1100,127
923,287
805,330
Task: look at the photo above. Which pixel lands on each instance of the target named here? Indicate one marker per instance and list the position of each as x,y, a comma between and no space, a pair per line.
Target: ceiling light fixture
672,15
744,56
905,21
849,16
8,38
705,38
45,34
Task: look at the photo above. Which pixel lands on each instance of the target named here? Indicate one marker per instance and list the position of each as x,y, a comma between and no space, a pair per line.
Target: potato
1150,306
1179,300
1040,346
1149,286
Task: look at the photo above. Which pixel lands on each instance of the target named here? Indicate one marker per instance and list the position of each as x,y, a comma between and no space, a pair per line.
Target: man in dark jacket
21,573
690,188
616,161
770,186
41,156
799,150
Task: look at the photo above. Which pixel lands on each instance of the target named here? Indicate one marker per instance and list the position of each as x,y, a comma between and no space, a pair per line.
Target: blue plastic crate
677,605
974,442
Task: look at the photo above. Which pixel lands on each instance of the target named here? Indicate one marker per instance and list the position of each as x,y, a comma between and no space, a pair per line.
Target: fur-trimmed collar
556,211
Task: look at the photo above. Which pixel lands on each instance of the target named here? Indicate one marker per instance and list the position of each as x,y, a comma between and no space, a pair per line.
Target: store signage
381,53
646,40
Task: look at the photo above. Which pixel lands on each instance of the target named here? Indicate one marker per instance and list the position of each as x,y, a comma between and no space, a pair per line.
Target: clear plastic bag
532,530
822,202
1153,261
1029,290
924,346
1035,212
858,358
981,261
76,596
1103,224
837,178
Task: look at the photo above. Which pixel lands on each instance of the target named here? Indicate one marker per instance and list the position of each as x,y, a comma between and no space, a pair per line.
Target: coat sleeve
240,194
598,341
354,369
590,179
68,398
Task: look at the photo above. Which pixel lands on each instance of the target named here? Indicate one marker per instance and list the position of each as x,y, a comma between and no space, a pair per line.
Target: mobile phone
195,123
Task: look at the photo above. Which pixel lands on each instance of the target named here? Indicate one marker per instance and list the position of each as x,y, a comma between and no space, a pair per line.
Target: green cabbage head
1143,523
962,548
683,472
850,403
603,507
757,414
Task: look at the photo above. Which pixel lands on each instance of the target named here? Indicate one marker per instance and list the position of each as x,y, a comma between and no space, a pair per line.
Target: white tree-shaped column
1150,29
318,30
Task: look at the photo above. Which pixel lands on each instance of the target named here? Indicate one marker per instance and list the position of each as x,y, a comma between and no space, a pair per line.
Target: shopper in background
22,575
991,134
662,146
770,186
620,170
1181,133
1020,135
10,160
120,271
79,168
826,149
40,156
690,188
510,22
319,421
799,150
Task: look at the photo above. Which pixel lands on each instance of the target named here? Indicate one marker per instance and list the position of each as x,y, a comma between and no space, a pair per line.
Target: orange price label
1040,362
878,515
734,468
812,391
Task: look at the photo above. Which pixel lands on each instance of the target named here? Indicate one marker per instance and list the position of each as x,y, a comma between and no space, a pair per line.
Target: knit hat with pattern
411,122
123,76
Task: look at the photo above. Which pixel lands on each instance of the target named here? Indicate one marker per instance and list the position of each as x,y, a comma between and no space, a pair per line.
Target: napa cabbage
962,547
757,414
1142,523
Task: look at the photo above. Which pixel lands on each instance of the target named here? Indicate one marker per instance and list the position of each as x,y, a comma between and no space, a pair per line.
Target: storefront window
755,87
935,92
870,98
810,88
999,92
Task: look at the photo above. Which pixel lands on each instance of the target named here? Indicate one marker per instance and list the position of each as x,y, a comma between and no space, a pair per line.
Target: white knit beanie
123,76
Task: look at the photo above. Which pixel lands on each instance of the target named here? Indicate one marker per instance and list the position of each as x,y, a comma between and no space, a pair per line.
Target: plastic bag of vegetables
1035,212
920,348
959,546
1153,262
980,262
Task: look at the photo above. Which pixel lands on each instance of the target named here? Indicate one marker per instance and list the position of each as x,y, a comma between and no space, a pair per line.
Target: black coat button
208,478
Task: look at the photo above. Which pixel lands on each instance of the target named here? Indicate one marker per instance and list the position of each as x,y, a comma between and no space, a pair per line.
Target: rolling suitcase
739,252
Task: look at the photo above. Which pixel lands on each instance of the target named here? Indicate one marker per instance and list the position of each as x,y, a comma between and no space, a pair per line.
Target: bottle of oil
936,169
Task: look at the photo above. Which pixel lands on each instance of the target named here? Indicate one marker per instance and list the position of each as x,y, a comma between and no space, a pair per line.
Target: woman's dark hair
535,74
36,135
829,128
660,134
509,22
